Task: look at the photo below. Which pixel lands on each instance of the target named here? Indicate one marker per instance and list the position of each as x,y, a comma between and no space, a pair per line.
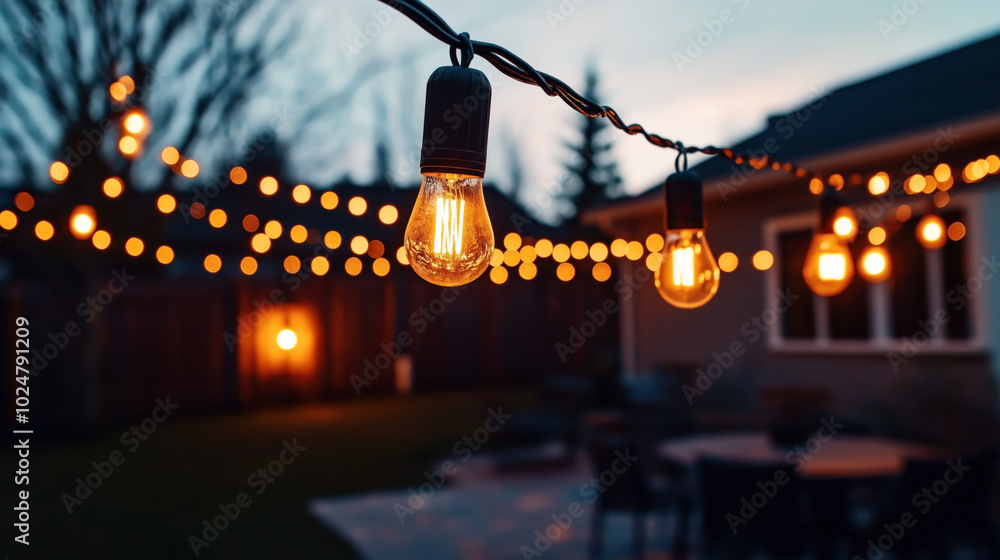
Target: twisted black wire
515,67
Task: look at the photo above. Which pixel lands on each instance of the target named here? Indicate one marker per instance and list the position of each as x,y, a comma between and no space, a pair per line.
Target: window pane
800,320
955,284
909,281
849,309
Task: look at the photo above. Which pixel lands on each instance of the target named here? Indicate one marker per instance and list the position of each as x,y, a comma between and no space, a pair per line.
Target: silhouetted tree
515,166
593,175
194,66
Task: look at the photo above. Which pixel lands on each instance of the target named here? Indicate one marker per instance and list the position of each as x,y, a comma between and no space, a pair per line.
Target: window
920,297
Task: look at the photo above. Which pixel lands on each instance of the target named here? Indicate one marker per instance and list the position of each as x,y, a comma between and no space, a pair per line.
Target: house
920,349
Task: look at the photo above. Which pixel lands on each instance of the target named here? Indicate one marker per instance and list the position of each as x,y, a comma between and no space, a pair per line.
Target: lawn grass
148,506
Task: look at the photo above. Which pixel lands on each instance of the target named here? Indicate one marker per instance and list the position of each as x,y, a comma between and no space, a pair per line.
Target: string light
601,272
498,275
763,260
728,262
688,276
44,230
8,220
24,201
190,169
268,186
164,255
238,175
829,267
931,232
170,155
213,263
387,214
58,172
248,266
217,218
353,266
298,234
512,241
250,223
527,271
357,206
83,221
874,264
166,203
113,187
543,248
292,264
329,200
332,240
134,246
301,194
101,239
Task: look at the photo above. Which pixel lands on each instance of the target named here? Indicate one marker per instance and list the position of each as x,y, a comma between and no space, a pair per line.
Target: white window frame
880,314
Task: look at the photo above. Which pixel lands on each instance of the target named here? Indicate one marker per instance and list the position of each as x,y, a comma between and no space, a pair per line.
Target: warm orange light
197,210
359,245
512,241
579,250
260,243
598,252
388,214
128,145
268,185
135,123
353,266
213,263
956,231
250,223
332,240
24,201
401,256
931,231
357,206
653,261
560,253
8,220
101,239
903,213
321,265
273,229
543,248
329,200
565,272
58,172
511,257
498,275
248,266
837,181
654,243
134,246
874,264
170,155
528,254
375,249
113,187
118,91
942,172
44,230
298,234
217,218
128,83
292,264
287,339
166,203
238,175
879,183
763,260
601,272
941,199
829,266
815,185
380,267
993,164
497,258
914,184
728,262
190,169
83,221
634,251
527,271
845,223
877,235
301,194
165,255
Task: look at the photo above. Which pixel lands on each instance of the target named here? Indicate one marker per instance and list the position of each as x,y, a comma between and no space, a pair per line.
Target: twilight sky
768,57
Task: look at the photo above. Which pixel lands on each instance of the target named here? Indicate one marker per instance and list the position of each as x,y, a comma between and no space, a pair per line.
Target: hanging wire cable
515,67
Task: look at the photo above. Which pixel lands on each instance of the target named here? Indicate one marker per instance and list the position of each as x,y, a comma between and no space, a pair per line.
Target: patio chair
775,528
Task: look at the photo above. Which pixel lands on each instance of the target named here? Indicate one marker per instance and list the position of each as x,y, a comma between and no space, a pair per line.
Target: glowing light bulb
83,221
449,238
829,267
845,223
874,264
287,339
688,276
931,231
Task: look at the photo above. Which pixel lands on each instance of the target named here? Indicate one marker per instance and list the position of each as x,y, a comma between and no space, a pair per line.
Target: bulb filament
683,266
448,222
832,266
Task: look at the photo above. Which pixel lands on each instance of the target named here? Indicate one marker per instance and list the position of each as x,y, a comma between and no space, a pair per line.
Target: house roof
945,89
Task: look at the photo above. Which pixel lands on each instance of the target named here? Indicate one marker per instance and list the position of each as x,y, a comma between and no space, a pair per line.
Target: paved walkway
482,515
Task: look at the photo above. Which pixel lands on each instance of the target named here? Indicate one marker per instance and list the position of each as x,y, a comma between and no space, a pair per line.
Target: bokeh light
728,262
763,260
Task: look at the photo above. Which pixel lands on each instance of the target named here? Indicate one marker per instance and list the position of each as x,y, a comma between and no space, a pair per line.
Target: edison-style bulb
449,239
829,267
688,276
